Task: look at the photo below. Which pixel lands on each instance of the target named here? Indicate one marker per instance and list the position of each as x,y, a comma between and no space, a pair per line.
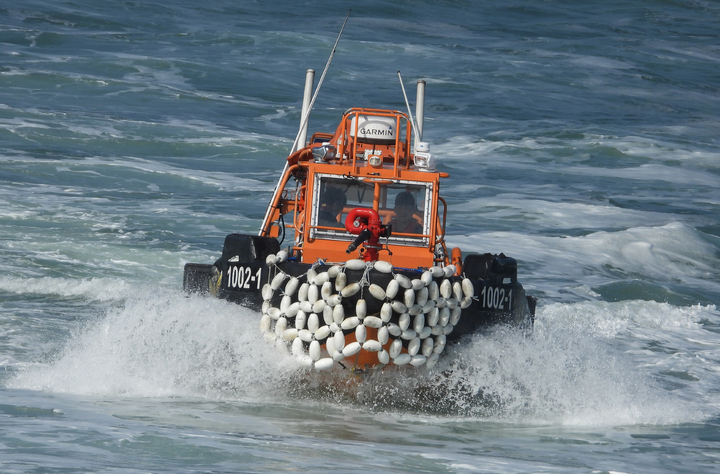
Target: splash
159,345
586,364
591,363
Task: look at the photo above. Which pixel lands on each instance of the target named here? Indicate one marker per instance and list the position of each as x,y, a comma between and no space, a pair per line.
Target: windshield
404,205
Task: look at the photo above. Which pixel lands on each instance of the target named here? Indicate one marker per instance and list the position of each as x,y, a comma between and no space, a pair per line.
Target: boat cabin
366,171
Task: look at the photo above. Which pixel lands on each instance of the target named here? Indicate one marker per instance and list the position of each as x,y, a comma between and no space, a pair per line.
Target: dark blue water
581,138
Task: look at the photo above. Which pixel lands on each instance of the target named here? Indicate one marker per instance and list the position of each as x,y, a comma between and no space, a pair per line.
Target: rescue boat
350,268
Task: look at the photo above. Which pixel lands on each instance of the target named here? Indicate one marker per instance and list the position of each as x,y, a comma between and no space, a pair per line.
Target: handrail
277,197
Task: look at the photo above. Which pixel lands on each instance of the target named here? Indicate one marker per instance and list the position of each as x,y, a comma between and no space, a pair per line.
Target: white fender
394,329
313,293
319,306
377,291
383,335
280,326
360,308
322,278
300,320
334,271
468,288
432,360
351,349
439,343
292,310
306,307
421,297
455,316
324,364
446,289
418,360
403,281
322,333
444,316
339,338
338,314
419,322
392,289
383,267
457,291
427,347
327,290
340,281
328,315
395,348
386,312
404,321
409,297
292,285
433,291
305,335
277,281
373,322
450,270
355,264
303,292
274,313
432,317
372,346
265,323
267,292
313,323
360,333
414,346
334,300
297,348
314,350
350,290
398,306
350,323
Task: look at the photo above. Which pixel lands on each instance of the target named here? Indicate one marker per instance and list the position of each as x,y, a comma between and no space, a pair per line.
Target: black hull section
242,272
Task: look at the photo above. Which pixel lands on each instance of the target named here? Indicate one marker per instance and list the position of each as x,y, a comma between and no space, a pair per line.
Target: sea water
581,138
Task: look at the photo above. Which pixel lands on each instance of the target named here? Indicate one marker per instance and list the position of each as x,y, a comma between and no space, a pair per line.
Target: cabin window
404,205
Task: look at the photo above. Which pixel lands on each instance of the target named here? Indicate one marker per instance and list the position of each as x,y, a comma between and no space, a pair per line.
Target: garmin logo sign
379,132
374,127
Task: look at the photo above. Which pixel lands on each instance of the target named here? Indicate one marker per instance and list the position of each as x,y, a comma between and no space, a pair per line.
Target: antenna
412,121
296,144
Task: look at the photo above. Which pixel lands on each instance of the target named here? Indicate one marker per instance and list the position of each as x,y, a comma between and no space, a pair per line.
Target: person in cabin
404,220
332,203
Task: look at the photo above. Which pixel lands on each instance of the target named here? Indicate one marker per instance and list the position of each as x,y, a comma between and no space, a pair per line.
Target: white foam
162,344
648,253
585,364
91,289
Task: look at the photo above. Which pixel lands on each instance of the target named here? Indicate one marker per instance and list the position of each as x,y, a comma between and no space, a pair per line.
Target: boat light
325,152
423,159
375,161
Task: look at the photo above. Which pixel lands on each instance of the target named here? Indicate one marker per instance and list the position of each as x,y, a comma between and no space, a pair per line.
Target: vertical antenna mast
302,132
412,121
